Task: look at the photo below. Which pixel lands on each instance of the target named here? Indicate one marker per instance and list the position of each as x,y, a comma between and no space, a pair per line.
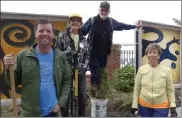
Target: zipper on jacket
39,83
152,85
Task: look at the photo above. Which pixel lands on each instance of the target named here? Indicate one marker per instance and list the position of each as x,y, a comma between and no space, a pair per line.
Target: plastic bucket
99,107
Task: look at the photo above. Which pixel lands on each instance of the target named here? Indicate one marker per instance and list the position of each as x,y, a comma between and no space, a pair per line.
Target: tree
177,21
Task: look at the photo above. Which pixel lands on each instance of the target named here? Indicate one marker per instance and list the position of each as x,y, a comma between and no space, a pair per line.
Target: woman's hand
134,111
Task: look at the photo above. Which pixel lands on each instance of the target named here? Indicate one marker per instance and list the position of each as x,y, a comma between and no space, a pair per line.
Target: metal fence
127,57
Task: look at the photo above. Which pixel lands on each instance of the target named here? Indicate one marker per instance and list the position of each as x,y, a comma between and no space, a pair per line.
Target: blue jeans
153,112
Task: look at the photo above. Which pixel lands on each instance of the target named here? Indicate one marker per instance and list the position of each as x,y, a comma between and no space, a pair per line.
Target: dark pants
153,112
52,114
96,63
81,98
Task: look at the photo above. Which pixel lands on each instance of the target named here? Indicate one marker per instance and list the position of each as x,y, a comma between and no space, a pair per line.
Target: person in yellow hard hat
73,43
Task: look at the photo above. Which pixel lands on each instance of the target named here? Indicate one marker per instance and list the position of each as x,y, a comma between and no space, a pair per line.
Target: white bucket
99,107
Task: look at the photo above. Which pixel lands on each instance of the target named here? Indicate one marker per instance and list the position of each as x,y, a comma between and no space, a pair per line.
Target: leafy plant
123,79
104,90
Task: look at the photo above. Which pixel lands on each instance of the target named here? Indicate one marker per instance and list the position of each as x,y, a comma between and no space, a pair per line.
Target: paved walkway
178,111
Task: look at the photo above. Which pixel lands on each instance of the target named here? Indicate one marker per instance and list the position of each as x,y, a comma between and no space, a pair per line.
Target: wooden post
13,93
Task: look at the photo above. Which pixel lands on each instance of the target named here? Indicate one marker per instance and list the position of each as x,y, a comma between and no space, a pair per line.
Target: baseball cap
105,5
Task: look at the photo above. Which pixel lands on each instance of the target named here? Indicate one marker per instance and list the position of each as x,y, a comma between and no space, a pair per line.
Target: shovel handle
13,93
76,83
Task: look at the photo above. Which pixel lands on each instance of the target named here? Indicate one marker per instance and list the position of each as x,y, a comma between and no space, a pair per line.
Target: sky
128,12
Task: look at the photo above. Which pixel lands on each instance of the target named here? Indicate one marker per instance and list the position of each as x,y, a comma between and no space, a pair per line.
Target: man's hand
9,60
138,24
56,109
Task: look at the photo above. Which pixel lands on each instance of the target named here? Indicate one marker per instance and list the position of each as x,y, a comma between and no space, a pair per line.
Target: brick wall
113,61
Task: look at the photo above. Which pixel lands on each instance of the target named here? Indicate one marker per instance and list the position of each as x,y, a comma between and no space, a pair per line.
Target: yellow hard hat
75,15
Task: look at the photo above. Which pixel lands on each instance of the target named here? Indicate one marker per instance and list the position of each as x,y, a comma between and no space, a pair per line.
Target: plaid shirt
66,44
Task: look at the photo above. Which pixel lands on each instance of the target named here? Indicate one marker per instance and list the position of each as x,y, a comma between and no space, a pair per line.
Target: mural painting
169,40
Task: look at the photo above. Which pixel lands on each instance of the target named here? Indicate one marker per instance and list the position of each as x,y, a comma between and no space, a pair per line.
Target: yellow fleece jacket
154,87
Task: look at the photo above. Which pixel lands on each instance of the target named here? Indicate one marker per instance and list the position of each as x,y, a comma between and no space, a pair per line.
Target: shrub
123,79
104,90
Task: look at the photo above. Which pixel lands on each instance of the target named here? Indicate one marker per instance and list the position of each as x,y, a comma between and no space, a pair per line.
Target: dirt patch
6,112
118,106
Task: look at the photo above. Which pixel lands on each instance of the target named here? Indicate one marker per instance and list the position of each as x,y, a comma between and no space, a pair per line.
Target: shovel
13,93
76,84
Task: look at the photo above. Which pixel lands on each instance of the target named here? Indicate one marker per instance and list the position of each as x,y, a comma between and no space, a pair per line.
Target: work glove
173,112
134,111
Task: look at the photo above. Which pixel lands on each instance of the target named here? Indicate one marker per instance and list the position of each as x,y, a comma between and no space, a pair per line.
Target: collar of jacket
81,36
31,51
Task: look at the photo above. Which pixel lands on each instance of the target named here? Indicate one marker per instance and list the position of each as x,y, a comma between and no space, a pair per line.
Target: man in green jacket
44,74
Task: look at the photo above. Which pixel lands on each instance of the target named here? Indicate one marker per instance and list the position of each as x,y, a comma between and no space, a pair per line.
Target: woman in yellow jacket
154,92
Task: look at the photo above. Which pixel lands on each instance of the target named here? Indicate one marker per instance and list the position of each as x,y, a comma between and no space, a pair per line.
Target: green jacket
27,73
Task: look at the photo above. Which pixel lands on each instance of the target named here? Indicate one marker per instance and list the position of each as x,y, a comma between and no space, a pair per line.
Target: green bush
123,79
104,90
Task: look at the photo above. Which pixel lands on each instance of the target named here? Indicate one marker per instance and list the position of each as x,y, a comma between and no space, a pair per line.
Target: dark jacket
66,44
102,34
27,74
